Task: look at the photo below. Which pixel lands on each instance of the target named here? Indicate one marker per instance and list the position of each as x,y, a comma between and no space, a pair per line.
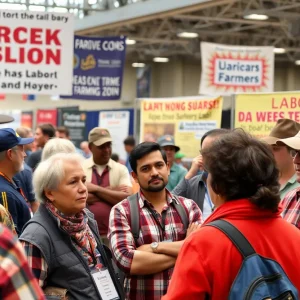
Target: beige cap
99,136
284,128
293,142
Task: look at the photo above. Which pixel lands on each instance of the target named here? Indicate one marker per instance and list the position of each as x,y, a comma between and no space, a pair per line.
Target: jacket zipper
259,281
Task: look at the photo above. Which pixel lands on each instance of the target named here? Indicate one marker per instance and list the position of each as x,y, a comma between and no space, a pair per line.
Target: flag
28,97
2,96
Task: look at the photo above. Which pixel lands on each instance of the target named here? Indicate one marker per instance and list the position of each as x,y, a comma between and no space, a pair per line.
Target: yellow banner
187,119
258,114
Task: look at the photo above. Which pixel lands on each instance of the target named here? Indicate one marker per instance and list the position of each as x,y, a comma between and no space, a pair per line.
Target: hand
197,164
92,199
124,188
92,188
192,227
145,248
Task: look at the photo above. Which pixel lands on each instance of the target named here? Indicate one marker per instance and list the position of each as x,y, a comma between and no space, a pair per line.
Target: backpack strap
181,211
237,238
134,215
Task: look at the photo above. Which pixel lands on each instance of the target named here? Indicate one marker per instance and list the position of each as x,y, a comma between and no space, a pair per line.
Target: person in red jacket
243,185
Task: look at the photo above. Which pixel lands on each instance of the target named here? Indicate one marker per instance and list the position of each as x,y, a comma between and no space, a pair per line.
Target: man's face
282,157
297,165
29,146
61,135
40,138
128,148
101,154
170,152
17,157
152,172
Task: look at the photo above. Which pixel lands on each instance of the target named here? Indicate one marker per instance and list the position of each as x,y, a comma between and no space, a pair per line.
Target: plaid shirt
152,286
291,207
16,280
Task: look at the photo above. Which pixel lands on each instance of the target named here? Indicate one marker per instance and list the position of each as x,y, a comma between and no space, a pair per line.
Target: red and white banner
36,52
235,69
46,116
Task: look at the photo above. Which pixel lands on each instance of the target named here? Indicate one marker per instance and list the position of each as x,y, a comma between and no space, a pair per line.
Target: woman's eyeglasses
294,153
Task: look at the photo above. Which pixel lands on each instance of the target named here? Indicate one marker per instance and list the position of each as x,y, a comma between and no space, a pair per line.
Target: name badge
105,285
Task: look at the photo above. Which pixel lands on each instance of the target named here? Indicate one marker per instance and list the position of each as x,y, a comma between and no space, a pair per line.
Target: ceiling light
116,4
138,65
279,50
92,2
130,42
161,59
256,17
188,35
297,62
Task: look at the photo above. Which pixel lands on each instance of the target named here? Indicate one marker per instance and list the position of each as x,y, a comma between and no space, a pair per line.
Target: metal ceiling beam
226,20
141,12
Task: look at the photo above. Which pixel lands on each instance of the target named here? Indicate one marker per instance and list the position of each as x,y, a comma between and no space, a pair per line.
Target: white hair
57,145
51,172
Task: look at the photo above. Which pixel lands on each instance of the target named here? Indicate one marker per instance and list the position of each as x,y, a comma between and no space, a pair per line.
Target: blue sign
98,68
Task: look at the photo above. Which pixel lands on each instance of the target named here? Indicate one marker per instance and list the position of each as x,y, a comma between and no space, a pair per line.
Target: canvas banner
187,119
36,52
234,69
258,113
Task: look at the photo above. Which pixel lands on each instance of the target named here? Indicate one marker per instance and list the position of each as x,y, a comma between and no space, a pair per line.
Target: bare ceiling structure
217,21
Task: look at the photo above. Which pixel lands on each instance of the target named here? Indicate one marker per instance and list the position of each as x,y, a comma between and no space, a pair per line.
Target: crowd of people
80,224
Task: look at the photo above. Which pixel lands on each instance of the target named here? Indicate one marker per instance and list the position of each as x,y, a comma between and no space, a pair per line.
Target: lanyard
161,224
92,253
98,177
18,188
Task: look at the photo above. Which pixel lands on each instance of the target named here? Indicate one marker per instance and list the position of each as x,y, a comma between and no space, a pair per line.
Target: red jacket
208,262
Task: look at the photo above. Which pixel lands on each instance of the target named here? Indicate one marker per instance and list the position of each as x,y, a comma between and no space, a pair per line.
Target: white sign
36,53
117,123
234,69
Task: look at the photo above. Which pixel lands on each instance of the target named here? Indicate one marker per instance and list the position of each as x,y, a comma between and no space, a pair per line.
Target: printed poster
27,119
187,119
258,113
235,69
44,116
75,121
98,68
35,52
117,123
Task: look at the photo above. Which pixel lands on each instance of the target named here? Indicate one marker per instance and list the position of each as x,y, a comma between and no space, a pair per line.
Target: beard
155,188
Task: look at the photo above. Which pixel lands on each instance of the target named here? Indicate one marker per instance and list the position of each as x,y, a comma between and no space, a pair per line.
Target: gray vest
66,266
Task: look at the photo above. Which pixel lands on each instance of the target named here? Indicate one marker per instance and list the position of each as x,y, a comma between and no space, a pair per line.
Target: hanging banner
46,116
143,82
235,69
98,68
16,114
75,121
35,52
27,119
117,123
258,114
187,119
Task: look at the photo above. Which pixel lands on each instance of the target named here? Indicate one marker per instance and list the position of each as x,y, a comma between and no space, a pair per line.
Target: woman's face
71,194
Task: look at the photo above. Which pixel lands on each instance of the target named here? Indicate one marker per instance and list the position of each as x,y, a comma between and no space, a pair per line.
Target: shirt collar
143,200
291,181
90,163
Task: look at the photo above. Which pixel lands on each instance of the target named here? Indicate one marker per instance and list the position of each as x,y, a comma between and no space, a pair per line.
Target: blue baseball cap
167,140
9,139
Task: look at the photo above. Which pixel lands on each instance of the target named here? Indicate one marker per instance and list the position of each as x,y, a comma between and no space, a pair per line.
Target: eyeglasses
294,153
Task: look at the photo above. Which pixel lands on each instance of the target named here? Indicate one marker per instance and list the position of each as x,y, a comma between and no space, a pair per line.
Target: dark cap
9,139
99,136
167,140
6,119
284,128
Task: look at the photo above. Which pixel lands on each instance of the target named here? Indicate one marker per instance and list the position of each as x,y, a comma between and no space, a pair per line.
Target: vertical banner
143,82
27,119
36,52
75,121
98,68
16,114
258,114
187,119
117,122
235,69
46,116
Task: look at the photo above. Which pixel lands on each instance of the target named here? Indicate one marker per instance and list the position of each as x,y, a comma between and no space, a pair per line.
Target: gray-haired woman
61,241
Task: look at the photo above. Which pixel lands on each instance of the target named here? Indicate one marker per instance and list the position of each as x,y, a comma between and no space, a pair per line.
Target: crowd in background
78,223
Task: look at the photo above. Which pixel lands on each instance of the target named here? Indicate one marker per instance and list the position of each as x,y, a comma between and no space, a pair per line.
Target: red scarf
78,229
